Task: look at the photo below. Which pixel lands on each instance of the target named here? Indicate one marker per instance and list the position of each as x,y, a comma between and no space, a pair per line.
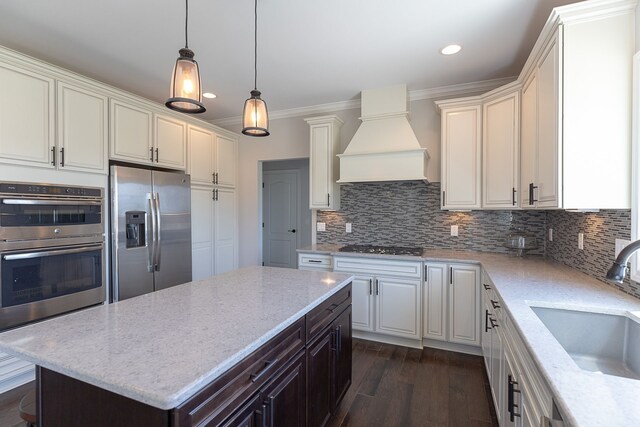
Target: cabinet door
528,141
171,142
249,415
461,154
201,155
320,166
343,358
285,397
500,143
131,133
485,333
435,302
549,136
464,304
202,221
82,129
226,161
320,373
497,371
26,117
226,230
512,400
362,288
398,307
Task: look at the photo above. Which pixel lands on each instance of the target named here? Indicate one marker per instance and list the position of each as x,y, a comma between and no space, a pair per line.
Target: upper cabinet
213,157
171,141
27,117
226,159
324,166
461,154
131,132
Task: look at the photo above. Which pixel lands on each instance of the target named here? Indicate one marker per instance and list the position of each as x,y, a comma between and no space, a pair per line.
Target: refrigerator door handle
151,243
158,233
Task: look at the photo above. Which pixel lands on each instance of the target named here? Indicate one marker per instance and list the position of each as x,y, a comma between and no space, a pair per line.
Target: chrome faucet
617,271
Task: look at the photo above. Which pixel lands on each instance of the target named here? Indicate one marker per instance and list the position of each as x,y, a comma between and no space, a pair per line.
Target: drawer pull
487,287
495,304
267,364
333,307
494,322
316,261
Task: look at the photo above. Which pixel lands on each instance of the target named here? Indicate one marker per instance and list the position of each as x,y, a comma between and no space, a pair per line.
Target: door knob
292,231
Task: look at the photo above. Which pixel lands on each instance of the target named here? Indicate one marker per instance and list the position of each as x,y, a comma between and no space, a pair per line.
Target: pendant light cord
186,24
255,46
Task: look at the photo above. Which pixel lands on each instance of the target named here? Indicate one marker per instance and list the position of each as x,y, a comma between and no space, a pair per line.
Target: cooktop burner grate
382,250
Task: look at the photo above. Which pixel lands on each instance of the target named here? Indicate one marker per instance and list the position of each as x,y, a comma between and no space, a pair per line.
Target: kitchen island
253,345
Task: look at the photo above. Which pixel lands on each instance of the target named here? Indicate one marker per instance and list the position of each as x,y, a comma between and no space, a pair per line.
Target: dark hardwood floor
392,386
400,386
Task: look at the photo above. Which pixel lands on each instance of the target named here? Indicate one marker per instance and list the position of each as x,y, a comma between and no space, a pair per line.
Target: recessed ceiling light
452,49
209,95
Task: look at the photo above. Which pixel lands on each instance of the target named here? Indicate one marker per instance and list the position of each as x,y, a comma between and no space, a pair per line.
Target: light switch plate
348,227
620,244
321,226
454,230
581,241
551,234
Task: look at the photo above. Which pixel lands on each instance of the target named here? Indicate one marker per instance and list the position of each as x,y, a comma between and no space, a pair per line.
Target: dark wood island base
297,378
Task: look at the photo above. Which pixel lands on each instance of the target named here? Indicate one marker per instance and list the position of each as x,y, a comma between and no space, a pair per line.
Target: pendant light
255,118
186,90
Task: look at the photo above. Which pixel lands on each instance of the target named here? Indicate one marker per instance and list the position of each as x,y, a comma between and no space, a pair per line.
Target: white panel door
280,219
549,139
226,161
464,304
500,144
528,142
461,155
398,307
26,117
171,142
201,155
362,303
131,133
82,129
435,302
497,368
226,231
319,166
202,222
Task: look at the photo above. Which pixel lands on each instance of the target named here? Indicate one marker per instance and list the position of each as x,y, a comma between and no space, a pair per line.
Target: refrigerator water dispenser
135,226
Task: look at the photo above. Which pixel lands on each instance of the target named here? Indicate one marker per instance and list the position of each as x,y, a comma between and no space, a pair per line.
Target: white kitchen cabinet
315,262
461,153
170,142
226,230
82,129
324,166
500,148
386,295
226,160
435,301
213,158
528,141
492,348
131,137
27,117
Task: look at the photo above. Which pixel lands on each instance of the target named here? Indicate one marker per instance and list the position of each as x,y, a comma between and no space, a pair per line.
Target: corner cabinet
461,153
324,165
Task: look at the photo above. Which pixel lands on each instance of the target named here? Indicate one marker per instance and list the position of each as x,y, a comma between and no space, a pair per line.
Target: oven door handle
28,255
50,202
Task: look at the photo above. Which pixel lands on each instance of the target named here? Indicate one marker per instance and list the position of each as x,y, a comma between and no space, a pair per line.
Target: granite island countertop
584,398
161,348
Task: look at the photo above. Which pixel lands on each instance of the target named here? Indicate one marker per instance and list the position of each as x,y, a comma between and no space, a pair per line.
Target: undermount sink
603,343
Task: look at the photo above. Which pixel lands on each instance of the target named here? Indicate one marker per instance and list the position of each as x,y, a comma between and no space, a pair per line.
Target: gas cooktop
381,250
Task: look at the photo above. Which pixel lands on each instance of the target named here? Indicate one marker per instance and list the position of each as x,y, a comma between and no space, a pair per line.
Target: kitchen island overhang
161,349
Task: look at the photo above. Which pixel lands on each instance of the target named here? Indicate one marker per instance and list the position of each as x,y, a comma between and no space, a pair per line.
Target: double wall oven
52,254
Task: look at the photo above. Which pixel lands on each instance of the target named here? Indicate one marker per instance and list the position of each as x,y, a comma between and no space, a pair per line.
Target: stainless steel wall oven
52,254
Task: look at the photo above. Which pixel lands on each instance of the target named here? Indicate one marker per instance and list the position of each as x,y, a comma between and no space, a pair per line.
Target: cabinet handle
217,178
328,199
217,194
486,320
151,154
339,338
157,155
370,286
451,275
53,156
487,287
426,274
315,261
377,287
444,200
262,413
62,157
494,322
531,188
513,201
213,177
213,194
495,304
267,364
511,398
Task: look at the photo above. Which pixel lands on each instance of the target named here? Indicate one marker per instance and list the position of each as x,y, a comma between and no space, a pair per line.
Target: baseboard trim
449,346
387,339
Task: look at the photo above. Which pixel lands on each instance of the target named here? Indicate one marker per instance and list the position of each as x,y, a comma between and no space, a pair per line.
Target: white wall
290,140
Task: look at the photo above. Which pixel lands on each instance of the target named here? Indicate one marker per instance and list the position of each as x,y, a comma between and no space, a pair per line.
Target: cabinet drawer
322,316
374,267
221,397
315,261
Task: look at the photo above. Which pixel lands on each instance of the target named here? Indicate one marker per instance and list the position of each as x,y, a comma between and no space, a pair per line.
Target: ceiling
310,52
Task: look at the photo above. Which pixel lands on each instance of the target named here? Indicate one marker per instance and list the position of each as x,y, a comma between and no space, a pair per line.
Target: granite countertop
161,348
584,398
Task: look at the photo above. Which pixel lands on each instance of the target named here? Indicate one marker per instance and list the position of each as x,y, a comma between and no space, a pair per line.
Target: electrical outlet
454,230
321,226
348,227
551,234
620,244
581,241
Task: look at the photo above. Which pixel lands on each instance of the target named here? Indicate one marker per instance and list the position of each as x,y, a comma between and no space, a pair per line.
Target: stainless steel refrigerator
150,231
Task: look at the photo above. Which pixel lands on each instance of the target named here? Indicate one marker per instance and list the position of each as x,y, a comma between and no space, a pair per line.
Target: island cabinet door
319,387
250,415
284,398
342,354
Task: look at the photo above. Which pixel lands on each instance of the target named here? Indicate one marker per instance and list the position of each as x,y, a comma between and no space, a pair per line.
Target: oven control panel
49,190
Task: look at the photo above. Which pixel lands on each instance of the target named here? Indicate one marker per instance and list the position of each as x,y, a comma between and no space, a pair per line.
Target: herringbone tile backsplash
408,214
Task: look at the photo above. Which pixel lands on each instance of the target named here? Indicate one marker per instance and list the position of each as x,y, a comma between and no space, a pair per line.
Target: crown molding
414,95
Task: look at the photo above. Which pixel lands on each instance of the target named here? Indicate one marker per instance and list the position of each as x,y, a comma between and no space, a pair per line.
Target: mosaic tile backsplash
408,214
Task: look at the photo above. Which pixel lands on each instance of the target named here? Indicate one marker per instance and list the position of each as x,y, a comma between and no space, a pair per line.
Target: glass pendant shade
255,118
186,91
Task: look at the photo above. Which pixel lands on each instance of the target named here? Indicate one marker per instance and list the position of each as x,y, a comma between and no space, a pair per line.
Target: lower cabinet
492,346
452,303
284,400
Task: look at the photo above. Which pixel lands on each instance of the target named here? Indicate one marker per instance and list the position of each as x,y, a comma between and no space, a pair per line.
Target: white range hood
384,148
